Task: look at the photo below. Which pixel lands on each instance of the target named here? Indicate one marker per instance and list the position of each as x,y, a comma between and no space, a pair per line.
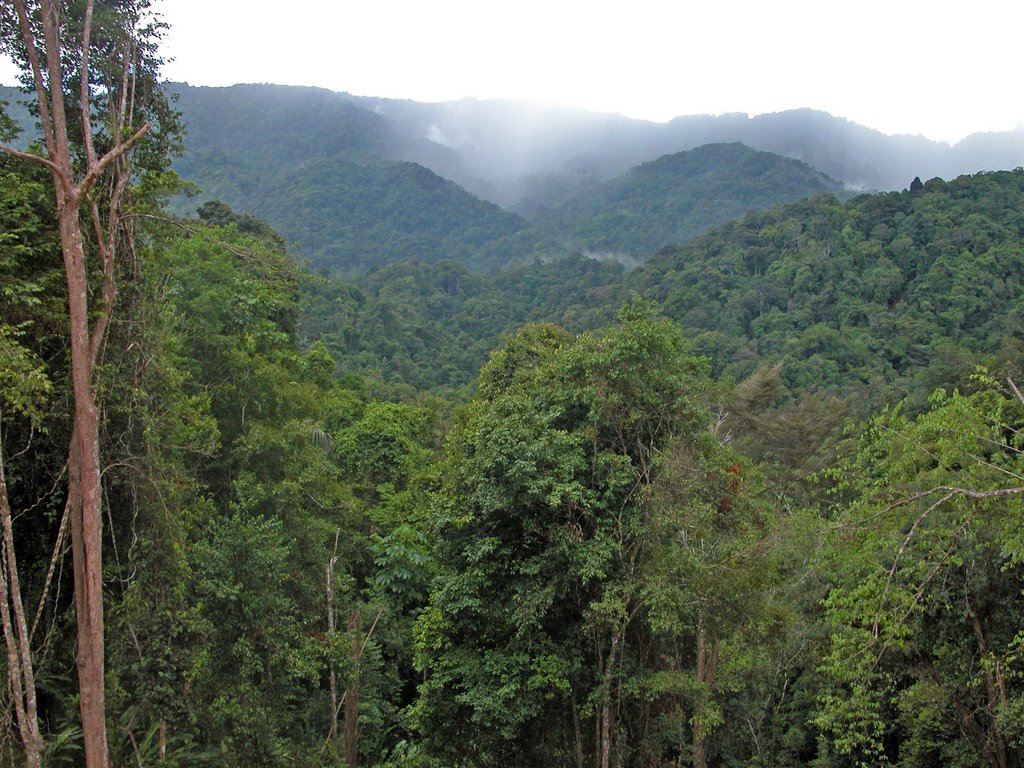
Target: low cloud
625,259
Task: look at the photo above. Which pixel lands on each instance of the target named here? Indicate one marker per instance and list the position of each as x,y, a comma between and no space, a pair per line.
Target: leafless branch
29,157
951,491
1016,391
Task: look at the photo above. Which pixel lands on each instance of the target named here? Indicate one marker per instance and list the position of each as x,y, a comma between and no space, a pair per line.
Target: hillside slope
508,150
890,293
673,199
325,172
320,170
882,296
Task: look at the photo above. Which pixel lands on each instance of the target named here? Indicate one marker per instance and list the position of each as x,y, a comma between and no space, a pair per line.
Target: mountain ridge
357,181
338,179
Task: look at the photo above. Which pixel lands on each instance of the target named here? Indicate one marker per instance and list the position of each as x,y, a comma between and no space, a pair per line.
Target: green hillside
326,173
319,169
677,197
423,326
893,292
886,294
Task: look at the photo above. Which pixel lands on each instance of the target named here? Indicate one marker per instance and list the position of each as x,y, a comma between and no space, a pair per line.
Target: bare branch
999,492
58,552
19,651
899,556
83,97
59,148
1016,391
119,151
121,120
950,490
106,243
37,76
30,157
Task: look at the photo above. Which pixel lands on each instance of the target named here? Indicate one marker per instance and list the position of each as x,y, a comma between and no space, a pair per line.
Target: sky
940,69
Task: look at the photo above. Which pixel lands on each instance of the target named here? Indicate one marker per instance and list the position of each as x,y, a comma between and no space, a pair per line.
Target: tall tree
92,67
538,644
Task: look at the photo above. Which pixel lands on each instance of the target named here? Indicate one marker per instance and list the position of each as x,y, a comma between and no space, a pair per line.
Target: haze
940,69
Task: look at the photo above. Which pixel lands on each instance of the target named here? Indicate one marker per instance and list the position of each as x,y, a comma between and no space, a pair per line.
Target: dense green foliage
432,326
555,515
895,294
881,297
557,603
925,615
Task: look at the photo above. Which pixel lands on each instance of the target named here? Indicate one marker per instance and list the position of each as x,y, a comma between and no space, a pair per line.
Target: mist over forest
339,430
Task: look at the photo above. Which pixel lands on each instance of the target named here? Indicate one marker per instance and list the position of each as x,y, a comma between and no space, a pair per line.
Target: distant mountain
322,170
505,150
327,170
510,150
673,199
360,181
12,100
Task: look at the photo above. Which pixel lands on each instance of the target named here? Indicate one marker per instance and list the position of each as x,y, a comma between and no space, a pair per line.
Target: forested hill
508,150
894,293
503,151
676,197
321,170
331,183
889,294
333,172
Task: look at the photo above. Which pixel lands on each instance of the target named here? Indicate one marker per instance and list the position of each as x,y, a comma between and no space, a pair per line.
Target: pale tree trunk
577,731
19,653
706,661
44,57
352,693
86,522
616,648
607,715
997,691
332,680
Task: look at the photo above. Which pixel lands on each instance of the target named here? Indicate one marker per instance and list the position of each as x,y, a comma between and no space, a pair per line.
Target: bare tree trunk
332,681
576,728
19,653
45,56
86,517
606,704
706,661
352,693
997,692
87,524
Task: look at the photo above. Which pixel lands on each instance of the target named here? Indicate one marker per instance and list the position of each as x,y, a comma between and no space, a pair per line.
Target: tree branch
119,150
30,157
28,39
951,491
83,95
1016,391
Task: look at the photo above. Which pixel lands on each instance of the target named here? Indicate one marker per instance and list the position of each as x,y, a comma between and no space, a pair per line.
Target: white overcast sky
939,68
